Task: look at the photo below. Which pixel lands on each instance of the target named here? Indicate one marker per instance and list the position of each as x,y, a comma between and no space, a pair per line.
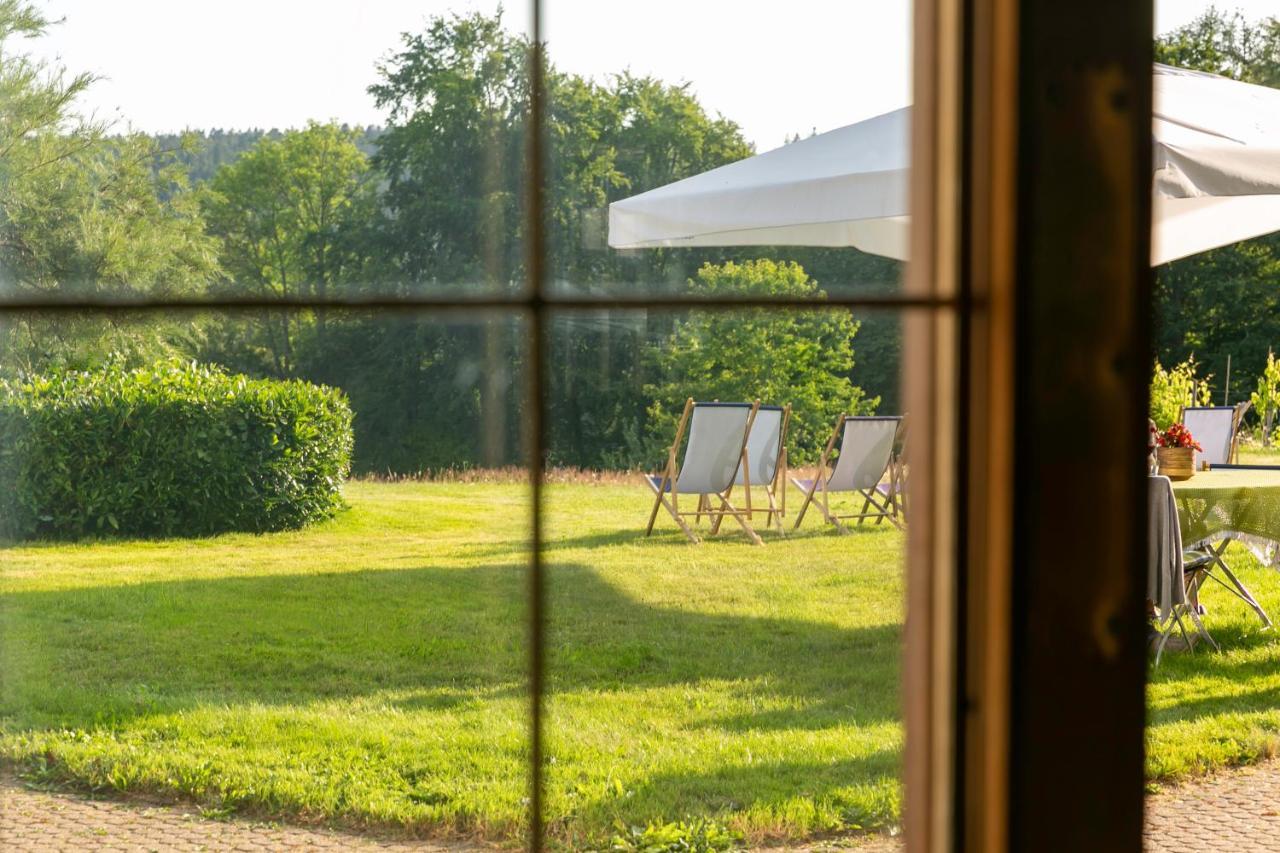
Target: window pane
810,139
721,686
188,611
345,155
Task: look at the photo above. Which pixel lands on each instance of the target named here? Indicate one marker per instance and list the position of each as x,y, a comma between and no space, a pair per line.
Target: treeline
201,153
429,203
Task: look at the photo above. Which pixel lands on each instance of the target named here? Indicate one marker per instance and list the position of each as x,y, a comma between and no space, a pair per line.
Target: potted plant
1175,455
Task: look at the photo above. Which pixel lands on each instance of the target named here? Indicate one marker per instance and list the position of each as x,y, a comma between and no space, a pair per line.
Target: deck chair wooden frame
1238,411
875,504
666,489
775,489
896,488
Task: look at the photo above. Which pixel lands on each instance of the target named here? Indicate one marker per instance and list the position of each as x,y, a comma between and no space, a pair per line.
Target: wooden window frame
1020,646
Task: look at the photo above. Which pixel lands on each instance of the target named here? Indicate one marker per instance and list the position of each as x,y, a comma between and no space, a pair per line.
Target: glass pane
723,687
1216,325
348,154
697,133
196,603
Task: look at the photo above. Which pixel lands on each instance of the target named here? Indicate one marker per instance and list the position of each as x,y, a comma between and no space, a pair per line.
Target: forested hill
206,151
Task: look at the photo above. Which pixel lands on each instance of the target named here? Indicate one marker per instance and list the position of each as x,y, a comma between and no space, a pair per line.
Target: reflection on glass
197,601
723,687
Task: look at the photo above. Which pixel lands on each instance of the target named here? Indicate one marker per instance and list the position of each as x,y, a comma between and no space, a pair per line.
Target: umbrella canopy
1216,181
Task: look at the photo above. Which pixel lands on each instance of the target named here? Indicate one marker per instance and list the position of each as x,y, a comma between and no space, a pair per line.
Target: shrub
778,356
1266,399
173,449
1175,388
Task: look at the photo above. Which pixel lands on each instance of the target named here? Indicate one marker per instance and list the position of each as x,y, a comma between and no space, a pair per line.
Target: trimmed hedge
170,450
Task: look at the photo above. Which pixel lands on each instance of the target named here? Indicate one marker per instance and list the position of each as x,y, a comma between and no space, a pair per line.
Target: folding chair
1216,429
767,458
1173,575
717,450
1233,584
866,455
896,487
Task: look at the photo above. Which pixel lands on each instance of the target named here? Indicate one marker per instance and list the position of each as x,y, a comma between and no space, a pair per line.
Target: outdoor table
1232,504
1241,504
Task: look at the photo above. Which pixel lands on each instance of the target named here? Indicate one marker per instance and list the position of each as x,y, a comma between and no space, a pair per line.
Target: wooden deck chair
866,454
717,449
895,488
767,468
1216,429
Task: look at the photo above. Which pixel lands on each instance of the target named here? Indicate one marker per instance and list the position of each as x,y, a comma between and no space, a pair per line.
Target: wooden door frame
1025,637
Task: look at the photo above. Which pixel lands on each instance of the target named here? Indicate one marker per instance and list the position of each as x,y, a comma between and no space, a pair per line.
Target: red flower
1179,436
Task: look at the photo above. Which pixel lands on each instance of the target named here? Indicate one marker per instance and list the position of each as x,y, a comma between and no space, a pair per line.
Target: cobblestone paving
1237,811
37,821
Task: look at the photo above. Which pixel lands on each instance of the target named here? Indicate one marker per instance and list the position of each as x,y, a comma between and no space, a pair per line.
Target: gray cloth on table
1165,585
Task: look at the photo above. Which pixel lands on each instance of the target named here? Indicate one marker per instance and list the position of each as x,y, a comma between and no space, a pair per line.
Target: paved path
1237,811
1233,812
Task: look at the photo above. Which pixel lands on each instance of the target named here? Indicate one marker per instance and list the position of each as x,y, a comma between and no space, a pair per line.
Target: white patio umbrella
1216,181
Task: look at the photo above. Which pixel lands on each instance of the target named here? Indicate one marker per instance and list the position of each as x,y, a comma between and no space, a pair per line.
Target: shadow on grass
439,640
78,657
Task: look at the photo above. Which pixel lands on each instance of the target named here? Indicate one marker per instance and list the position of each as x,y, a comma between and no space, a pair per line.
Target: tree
797,356
1266,398
82,213
453,160
1227,44
285,213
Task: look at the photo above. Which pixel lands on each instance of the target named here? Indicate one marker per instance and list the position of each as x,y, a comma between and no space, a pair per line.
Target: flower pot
1176,463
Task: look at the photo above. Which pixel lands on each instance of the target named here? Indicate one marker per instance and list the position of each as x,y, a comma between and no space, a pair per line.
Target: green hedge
170,450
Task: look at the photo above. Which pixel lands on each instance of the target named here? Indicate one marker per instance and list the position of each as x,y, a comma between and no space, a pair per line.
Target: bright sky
771,66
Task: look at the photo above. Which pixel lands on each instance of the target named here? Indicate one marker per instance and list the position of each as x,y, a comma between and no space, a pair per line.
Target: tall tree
285,213
82,213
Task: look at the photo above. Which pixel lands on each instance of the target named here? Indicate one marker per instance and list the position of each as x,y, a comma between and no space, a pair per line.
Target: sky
771,66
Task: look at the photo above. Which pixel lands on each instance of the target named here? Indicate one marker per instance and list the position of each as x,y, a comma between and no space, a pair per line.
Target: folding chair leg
728,508
1240,590
653,516
688,531
662,501
774,515
883,508
804,507
716,522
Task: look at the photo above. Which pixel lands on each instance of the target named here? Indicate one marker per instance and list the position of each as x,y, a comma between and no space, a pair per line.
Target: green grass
372,670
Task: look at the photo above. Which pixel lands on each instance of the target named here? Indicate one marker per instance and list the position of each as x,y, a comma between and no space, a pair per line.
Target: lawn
370,671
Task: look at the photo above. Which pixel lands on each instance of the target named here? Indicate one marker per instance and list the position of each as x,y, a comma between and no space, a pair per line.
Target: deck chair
896,485
1173,575
865,456
1218,565
1216,429
717,449
767,468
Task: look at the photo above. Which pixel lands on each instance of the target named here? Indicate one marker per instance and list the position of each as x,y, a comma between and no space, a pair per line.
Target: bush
174,449
1175,388
778,356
